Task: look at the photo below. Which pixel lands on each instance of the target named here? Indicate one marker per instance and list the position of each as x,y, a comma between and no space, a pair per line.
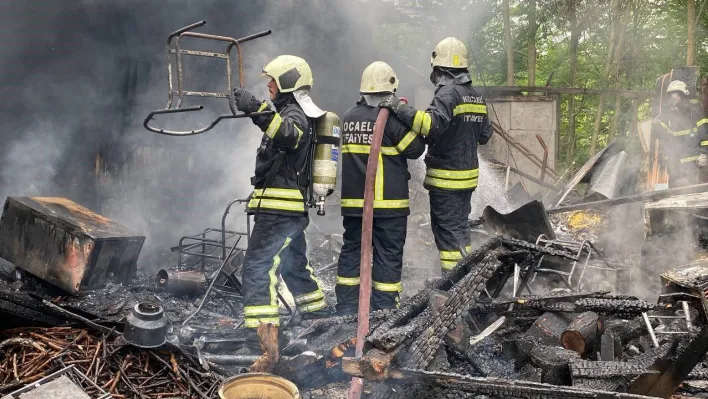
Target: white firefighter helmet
677,85
289,72
292,74
378,77
449,53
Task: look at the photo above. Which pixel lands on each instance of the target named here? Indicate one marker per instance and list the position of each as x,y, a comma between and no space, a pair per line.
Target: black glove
404,112
245,101
393,103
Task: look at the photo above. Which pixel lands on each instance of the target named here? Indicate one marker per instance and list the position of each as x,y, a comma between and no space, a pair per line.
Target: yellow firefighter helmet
378,77
677,85
449,53
289,72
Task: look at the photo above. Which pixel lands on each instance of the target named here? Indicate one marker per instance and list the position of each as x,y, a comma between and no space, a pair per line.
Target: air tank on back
324,173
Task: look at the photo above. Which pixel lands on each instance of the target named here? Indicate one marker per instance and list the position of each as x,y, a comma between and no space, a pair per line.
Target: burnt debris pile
534,318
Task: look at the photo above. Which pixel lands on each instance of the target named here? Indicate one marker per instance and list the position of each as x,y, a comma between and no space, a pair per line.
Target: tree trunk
532,42
691,44
623,27
509,45
573,49
605,75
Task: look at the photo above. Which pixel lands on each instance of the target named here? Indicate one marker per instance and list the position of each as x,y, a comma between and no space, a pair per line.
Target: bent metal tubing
174,53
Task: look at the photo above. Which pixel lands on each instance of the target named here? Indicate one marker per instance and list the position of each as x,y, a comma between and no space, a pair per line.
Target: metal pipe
648,196
367,221
654,341
686,313
181,282
230,359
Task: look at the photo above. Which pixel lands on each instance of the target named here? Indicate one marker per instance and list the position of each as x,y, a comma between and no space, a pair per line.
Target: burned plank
603,369
496,387
672,371
418,303
420,353
553,361
621,308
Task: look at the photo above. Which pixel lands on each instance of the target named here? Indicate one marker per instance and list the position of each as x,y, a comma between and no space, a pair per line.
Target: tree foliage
655,41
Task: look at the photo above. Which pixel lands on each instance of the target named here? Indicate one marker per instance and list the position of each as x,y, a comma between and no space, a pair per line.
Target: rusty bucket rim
291,385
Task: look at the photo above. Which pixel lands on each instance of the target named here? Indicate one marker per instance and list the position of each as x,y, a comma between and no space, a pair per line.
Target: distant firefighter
683,131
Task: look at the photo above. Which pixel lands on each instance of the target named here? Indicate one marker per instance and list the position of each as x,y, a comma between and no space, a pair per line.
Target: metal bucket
258,386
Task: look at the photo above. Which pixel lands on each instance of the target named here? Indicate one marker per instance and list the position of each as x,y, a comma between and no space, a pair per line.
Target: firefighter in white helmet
684,133
277,243
391,202
454,124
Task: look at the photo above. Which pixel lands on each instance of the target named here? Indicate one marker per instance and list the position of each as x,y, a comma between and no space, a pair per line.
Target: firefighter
454,124
391,209
684,133
277,243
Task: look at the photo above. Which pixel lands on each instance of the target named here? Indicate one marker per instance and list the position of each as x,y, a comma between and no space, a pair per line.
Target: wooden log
547,329
581,333
268,336
374,366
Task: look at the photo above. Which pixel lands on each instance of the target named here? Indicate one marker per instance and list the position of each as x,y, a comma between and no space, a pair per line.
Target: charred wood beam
495,387
673,371
622,308
648,196
414,306
421,352
601,369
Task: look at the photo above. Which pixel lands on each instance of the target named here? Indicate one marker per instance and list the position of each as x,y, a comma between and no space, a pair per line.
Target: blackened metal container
146,326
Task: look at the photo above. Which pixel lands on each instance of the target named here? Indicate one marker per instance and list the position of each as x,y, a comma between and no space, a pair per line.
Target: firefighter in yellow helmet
454,124
277,243
391,202
683,130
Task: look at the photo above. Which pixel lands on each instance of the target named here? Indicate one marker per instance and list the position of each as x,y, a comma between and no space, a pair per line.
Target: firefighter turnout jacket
281,158
454,124
398,144
685,134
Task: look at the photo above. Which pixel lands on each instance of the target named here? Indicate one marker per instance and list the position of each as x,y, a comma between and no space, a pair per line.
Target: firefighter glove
393,103
245,101
703,161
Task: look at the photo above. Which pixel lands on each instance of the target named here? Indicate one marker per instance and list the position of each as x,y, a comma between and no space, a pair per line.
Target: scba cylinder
324,170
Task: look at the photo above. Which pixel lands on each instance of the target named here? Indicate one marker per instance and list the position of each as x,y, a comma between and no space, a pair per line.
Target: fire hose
367,222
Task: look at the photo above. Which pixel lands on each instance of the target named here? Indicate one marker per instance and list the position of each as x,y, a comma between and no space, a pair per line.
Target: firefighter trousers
277,245
449,213
388,238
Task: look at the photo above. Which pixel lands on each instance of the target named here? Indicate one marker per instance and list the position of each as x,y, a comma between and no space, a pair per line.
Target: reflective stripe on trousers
451,179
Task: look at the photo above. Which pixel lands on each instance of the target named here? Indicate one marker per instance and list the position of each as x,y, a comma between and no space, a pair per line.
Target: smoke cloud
77,79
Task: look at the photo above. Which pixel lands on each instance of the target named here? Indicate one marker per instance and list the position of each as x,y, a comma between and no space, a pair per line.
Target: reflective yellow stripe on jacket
469,109
279,199
379,201
422,123
451,179
689,159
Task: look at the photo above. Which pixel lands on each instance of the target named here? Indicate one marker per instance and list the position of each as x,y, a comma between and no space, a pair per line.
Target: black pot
146,326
